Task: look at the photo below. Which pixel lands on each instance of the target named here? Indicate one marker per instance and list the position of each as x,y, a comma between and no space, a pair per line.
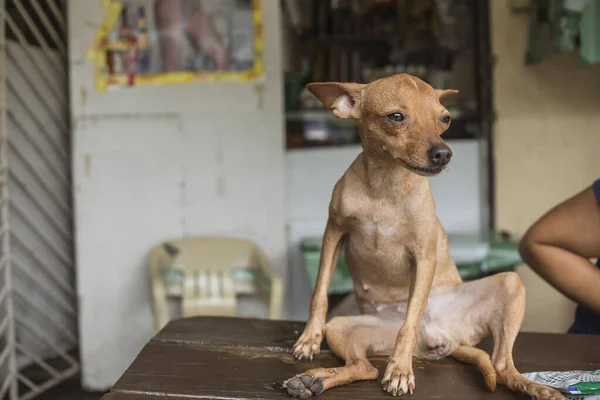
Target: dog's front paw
399,378
308,344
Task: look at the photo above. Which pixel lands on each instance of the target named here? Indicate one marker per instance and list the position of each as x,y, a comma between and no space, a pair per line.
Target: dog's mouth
425,171
431,170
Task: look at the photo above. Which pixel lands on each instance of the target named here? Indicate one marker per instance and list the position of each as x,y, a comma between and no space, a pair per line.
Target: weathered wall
154,163
546,145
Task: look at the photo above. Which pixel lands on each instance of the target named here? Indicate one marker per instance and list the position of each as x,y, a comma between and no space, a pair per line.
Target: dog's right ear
342,98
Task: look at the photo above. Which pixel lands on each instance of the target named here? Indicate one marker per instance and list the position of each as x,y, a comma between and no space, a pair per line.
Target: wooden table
233,358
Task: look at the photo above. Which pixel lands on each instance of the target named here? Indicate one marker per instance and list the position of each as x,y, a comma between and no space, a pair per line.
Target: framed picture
154,42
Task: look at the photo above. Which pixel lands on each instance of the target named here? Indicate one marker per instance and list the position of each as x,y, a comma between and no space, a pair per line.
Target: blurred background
180,168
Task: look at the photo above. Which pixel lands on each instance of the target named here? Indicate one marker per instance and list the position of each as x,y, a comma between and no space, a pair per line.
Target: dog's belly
380,276
447,322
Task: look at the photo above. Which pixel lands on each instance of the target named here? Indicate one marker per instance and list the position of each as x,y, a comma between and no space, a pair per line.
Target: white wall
155,163
311,175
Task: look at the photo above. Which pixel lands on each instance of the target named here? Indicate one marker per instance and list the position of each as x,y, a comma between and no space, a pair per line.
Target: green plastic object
248,275
502,254
590,32
555,25
341,282
575,385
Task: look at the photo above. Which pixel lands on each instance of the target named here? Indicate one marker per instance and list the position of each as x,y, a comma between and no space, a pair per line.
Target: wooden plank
226,331
135,396
192,371
233,358
553,351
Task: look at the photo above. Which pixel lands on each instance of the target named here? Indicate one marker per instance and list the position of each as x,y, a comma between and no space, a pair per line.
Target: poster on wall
155,42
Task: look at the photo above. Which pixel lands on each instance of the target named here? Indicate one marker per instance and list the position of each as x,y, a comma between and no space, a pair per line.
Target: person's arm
560,244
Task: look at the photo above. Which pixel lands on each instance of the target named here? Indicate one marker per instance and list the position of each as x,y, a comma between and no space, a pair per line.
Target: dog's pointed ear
443,94
342,98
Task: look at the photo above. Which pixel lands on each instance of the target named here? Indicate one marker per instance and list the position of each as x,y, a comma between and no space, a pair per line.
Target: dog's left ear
342,98
443,94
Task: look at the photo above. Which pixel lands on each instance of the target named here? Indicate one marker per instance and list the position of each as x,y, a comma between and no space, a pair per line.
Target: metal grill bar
61,152
66,236
42,336
3,295
36,89
59,69
50,83
51,167
4,355
7,385
29,354
25,299
66,305
10,385
59,280
26,381
49,28
35,200
50,383
58,15
65,258
4,325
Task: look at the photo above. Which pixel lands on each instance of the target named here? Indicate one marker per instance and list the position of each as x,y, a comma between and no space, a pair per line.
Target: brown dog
407,287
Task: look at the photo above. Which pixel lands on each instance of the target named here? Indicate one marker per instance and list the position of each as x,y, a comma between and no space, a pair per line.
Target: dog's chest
378,221
375,230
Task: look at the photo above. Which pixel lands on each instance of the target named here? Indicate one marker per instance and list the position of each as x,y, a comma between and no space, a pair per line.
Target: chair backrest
206,266
214,254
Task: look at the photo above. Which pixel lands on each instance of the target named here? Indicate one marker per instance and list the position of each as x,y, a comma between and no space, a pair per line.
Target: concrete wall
155,163
546,145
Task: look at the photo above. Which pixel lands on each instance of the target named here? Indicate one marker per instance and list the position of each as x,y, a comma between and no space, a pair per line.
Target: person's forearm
574,276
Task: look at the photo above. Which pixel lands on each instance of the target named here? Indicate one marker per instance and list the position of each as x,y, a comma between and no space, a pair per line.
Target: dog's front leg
399,378
309,343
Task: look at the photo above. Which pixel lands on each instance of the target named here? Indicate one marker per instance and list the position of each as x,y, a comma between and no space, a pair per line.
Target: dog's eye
396,117
445,119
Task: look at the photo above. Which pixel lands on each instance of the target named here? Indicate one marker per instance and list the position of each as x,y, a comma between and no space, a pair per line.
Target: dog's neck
388,178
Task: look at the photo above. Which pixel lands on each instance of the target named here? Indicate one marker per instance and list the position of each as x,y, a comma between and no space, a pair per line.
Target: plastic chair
207,274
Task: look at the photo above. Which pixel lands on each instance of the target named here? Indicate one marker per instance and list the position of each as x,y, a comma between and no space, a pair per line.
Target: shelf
343,132
352,40
313,115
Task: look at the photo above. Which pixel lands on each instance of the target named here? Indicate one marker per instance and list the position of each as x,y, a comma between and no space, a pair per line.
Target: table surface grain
235,358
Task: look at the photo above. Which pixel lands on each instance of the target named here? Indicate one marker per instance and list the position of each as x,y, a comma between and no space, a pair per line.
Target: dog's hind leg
352,339
504,325
475,309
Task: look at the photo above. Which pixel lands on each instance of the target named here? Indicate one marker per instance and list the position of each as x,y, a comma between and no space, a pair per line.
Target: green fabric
555,25
590,32
174,276
502,255
341,281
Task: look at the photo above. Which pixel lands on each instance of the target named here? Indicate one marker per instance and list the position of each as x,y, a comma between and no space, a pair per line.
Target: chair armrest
158,290
277,286
159,302
276,299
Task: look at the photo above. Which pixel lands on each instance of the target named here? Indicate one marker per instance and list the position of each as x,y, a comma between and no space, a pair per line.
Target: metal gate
38,326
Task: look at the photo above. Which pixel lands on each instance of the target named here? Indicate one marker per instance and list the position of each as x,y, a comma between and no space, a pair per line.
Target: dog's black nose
440,154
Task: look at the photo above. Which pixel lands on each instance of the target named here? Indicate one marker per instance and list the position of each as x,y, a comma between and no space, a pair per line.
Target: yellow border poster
157,42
